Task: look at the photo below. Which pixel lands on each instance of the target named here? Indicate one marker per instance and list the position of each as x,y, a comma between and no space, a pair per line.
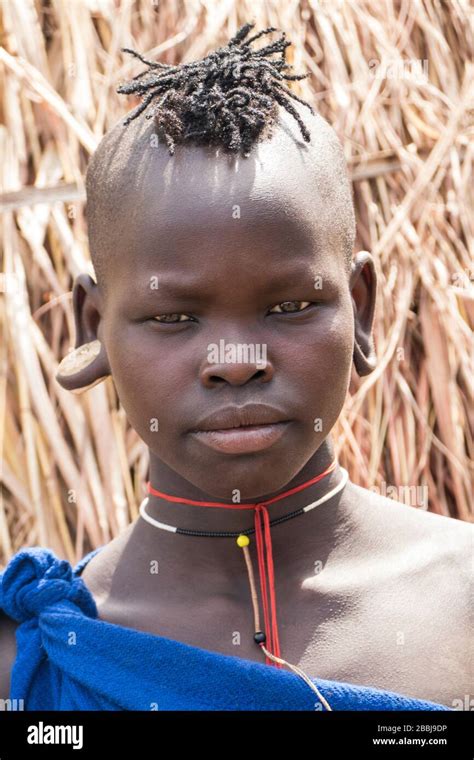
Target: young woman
228,309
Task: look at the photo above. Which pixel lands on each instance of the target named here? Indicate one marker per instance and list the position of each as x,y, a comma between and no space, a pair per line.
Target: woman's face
215,257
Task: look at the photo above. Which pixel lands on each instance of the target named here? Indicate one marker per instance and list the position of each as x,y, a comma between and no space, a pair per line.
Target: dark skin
356,577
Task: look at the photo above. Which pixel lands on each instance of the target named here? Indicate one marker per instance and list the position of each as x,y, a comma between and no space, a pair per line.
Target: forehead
283,206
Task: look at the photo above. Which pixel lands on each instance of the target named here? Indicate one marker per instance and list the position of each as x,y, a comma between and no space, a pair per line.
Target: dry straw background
72,470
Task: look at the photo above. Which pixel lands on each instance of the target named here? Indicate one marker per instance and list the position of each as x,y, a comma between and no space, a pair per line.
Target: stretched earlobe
363,284
75,372
87,364
363,362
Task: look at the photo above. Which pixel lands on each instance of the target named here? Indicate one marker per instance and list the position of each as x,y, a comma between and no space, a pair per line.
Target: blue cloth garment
69,659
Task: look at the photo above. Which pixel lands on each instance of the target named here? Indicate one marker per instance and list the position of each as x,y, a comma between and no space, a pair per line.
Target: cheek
149,382
335,372
320,368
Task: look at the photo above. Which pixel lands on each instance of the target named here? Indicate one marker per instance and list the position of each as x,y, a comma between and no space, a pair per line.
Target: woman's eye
285,307
170,318
293,307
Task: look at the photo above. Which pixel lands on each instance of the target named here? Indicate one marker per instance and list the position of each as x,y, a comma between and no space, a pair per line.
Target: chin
245,477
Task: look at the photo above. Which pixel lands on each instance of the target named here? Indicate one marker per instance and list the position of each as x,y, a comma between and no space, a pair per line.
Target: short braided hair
228,98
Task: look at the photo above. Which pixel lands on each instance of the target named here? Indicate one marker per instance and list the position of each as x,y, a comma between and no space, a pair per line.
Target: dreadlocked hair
228,98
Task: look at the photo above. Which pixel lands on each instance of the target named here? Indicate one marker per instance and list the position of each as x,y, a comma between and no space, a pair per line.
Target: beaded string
263,542
265,567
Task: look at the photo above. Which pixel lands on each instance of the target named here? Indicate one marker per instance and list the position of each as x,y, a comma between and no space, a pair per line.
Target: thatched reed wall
395,79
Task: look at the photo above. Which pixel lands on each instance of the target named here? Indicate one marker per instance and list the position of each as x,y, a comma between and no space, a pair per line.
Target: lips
239,430
241,416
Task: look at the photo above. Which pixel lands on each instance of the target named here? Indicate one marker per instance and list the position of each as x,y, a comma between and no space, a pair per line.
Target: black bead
259,637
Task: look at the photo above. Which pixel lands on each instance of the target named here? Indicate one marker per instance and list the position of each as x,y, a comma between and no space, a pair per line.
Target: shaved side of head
313,174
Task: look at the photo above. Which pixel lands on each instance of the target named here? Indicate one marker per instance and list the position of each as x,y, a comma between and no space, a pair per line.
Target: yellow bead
243,540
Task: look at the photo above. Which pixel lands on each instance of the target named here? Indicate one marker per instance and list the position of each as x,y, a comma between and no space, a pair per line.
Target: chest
362,625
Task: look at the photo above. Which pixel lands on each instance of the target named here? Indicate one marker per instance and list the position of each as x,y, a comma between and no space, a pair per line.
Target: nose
236,364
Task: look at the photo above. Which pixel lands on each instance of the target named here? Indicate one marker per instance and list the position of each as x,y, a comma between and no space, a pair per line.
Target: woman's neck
196,517
195,568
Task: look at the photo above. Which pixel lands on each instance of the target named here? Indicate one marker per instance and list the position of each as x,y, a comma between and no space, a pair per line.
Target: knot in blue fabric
35,579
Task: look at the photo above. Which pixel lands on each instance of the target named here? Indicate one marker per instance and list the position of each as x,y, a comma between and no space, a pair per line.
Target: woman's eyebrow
157,285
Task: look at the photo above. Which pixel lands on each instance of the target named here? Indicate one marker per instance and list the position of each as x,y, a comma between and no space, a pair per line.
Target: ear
363,286
88,363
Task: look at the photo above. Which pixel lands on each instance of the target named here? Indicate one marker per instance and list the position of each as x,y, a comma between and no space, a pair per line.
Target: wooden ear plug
74,363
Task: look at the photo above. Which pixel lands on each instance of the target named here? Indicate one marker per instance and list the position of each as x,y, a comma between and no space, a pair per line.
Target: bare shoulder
395,524
427,557
99,571
7,653
402,581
